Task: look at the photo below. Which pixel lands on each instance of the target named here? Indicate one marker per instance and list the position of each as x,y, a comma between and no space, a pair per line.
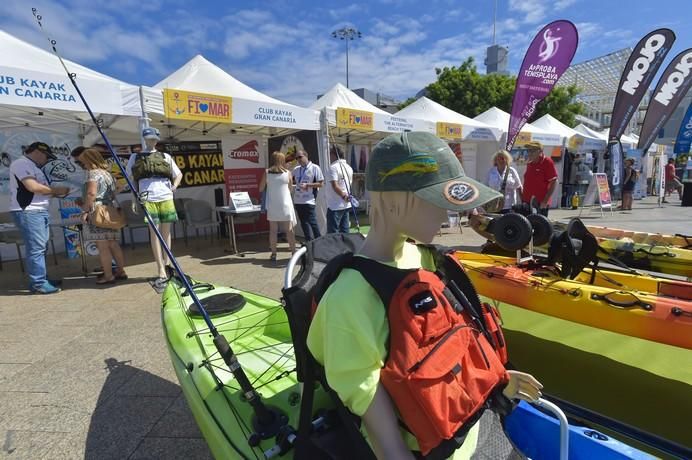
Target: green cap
424,164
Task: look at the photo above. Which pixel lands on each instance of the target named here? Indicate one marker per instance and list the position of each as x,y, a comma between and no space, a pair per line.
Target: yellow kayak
646,307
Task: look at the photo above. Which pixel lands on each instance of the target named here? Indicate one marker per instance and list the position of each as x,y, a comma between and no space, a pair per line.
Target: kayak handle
620,304
677,311
195,287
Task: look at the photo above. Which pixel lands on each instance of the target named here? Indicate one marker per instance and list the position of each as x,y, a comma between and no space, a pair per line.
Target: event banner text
200,162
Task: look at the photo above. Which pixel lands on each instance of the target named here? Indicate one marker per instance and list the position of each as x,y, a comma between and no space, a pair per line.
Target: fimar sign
200,162
185,105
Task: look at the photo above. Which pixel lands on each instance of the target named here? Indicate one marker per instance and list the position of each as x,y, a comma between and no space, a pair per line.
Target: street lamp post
347,34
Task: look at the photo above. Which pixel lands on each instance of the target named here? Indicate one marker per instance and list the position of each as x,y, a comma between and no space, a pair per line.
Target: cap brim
459,194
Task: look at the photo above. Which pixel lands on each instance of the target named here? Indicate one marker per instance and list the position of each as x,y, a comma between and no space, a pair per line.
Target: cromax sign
642,63
675,79
248,151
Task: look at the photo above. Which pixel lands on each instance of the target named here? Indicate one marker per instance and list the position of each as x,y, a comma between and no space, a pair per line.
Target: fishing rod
268,420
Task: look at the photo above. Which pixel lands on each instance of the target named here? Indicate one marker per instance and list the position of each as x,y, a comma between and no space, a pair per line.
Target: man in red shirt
540,178
672,181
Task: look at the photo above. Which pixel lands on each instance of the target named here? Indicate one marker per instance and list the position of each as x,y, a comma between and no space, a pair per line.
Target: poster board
598,191
240,201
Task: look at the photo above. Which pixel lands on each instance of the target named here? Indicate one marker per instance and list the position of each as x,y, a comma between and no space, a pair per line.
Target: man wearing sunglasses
30,195
308,179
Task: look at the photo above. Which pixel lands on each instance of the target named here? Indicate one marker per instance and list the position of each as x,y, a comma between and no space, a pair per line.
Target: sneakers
273,257
45,288
160,283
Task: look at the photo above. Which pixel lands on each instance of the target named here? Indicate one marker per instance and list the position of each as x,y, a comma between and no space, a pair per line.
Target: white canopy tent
39,102
478,140
571,138
35,91
253,112
429,110
499,119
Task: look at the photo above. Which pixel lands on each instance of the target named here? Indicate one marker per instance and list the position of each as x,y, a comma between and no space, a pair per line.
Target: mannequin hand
134,207
522,386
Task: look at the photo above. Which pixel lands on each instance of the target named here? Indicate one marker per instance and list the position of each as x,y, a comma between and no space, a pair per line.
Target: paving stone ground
85,373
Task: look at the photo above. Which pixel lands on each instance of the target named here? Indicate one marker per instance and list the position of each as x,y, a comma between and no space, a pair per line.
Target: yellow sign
354,119
184,105
449,130
523,138
575,142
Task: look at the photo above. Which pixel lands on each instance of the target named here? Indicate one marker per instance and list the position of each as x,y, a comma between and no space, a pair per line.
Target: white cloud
562,4
533,11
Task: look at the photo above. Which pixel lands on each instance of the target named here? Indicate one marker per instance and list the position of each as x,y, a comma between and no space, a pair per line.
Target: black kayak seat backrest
298,298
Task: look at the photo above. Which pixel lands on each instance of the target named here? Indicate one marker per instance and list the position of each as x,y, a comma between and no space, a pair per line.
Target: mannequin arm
383,428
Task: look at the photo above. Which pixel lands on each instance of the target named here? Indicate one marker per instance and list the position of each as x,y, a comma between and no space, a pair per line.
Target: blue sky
285,49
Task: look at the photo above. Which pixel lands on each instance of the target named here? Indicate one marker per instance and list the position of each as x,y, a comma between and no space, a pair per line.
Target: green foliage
465,91
407,102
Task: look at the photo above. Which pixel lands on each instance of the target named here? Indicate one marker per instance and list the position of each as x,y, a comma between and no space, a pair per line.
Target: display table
229,214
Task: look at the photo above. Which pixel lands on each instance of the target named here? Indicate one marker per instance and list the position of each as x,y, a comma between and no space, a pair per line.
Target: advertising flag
641,67
546,59
684,139
670,90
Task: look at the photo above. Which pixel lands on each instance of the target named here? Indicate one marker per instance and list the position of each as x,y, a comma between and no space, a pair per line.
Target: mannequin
156,193
349,331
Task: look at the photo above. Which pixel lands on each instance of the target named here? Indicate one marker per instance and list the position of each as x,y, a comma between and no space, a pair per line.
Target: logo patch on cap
459,192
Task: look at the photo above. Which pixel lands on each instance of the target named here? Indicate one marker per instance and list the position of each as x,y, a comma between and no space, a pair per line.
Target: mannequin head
413,179
151,138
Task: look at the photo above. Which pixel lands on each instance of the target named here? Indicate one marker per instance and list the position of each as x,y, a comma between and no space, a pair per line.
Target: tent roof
500,119
549,123
106,95
427,109
582,128
200,75
340,96
249,105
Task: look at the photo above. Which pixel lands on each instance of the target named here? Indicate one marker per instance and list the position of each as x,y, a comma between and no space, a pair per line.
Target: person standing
308,179
540,178
628,184
505,179
156,177
672,180
29,200
100,189
280,212
340,177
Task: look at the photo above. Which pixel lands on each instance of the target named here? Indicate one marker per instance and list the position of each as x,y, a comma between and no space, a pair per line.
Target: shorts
674,184
161,211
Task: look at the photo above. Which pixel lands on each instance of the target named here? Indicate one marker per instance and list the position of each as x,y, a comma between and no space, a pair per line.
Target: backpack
447,354
151,164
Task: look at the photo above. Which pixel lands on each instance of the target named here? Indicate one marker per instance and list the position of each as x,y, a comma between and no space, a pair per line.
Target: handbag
104,216
499,203
107,216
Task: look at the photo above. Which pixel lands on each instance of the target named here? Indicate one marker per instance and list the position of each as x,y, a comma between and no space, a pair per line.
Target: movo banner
684,139
670,90
641,67
186,105
546,59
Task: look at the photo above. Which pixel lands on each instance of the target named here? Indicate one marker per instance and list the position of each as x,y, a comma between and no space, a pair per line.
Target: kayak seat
219,304
343,439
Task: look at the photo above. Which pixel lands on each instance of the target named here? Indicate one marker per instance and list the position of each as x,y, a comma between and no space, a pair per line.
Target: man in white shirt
340,178
156,177
30,195
308,179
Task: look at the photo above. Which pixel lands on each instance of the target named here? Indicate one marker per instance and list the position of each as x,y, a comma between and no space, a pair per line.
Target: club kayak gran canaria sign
43,90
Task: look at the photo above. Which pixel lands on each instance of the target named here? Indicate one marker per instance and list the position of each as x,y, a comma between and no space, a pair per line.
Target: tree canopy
465,91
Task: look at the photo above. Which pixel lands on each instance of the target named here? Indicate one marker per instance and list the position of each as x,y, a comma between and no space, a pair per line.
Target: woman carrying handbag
102,215
505,179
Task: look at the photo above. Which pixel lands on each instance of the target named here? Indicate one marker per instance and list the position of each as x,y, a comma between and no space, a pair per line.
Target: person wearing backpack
156,177
365,346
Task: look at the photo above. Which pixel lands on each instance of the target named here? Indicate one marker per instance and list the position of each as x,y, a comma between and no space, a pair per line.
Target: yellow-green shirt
349,333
